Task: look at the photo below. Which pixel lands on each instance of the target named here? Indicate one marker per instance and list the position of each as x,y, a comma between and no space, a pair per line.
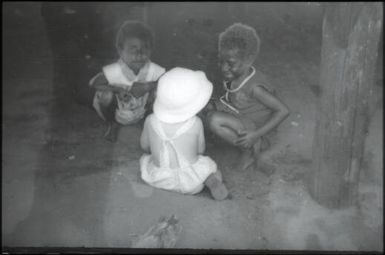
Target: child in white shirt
123,87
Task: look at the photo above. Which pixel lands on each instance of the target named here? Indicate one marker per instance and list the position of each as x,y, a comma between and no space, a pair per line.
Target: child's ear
120,52
119,49
248,61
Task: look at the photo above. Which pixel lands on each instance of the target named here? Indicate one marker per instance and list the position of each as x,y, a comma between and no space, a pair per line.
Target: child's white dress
130,111
187,178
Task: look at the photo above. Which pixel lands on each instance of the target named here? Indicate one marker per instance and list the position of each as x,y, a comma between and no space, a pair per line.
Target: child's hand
139,89
210,106
247,139
125,96
122,93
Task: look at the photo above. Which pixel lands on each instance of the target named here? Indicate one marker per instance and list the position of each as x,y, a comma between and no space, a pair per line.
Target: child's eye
231,64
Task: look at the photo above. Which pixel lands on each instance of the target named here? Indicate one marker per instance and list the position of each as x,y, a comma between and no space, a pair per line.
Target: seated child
249,110
123,87
173,136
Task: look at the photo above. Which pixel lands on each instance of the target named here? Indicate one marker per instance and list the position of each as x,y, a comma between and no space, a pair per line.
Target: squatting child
174,140
123,88
249,111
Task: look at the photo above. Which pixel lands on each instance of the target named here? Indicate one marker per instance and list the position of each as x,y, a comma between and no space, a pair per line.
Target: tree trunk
351,33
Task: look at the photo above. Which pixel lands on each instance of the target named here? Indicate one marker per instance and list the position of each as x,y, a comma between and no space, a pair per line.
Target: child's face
232,64
135,53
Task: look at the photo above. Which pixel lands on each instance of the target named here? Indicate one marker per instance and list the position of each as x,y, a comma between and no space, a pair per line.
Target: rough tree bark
351,33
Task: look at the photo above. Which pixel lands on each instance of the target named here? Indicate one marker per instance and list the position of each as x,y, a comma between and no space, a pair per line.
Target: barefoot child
173,136
249,111
123,88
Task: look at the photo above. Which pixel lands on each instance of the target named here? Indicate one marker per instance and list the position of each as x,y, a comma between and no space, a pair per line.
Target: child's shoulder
157,68
198,121
99,78
149,118
261,80
197,127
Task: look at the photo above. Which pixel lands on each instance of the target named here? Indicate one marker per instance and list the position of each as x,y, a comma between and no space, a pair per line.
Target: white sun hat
181,94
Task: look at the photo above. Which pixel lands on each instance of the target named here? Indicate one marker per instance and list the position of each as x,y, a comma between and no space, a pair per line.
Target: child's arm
280,112
138,89
201,138
99,82
144,139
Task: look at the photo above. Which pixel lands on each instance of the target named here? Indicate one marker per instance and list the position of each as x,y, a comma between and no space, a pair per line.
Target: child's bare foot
111,134
247,159
217,188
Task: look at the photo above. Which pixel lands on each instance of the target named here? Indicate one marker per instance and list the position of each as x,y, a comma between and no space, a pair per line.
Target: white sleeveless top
131,109
168,142
187,178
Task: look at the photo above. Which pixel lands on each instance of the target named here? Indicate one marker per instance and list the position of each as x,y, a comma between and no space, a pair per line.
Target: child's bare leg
217,188
108,107
112,132
250,155
247,159
225,126
258,149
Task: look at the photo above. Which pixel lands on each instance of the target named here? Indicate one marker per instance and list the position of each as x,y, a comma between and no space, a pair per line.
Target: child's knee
213,121
106,98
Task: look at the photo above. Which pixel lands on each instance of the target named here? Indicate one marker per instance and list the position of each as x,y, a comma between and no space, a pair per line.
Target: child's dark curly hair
242,37
134,29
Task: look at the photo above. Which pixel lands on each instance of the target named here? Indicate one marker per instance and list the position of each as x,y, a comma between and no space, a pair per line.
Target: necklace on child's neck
240,85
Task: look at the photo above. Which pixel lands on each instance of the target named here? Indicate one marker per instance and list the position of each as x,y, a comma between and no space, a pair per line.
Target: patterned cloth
130,109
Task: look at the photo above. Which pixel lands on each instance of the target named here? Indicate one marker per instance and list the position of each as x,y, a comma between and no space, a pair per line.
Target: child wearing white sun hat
174,140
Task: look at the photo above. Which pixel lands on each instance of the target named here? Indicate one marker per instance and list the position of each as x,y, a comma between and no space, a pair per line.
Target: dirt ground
64,185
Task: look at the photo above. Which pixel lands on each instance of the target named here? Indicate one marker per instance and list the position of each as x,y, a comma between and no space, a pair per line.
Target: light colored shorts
187,180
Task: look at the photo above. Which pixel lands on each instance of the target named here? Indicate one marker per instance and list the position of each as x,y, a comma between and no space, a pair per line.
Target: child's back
187,137
173,137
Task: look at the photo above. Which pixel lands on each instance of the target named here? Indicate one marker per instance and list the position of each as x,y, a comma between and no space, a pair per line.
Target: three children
172,137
